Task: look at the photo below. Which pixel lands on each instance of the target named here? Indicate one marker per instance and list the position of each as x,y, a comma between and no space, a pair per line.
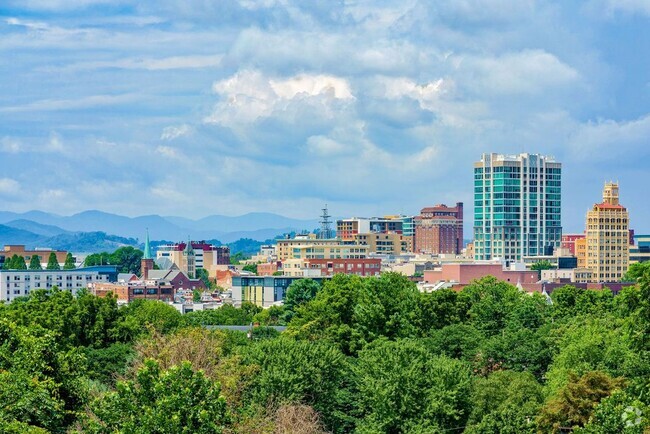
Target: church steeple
147,248
146,264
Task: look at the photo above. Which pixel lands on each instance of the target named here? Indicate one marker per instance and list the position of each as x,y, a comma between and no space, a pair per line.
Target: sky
198,107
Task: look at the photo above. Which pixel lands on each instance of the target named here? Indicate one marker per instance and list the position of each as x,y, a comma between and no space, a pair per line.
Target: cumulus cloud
249,95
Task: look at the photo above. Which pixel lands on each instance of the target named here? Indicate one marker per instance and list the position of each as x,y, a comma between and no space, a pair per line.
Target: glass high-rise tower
517,206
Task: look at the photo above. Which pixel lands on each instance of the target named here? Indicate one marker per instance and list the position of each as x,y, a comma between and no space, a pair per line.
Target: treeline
359,355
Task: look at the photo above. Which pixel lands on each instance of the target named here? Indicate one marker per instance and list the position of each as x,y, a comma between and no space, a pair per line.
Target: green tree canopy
178,400
69,262
403,388
52,262
35,263
300,291
251,268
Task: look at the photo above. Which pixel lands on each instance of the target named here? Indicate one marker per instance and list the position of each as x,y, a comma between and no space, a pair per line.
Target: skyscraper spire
147,248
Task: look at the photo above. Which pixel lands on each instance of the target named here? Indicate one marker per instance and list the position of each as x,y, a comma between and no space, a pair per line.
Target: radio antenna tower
325,225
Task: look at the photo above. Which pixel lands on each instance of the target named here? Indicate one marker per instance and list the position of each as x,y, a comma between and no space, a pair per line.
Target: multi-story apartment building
329,267
204,255
439,230
517,206
331,251
390,243
608,237
285,248
19,283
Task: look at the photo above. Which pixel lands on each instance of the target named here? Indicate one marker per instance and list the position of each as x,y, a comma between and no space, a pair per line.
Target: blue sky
196,107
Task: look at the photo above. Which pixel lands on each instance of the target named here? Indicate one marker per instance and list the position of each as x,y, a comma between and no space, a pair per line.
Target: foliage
430,391
236,258
505,402
52,262
15,263
312,373
572,405
35,263
251,268
176,400
69,262
542,265
364,355
618,413
272,316
300,291
224,315
202,273
636,271
127,259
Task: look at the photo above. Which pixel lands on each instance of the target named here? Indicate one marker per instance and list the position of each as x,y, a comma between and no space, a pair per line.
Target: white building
19,283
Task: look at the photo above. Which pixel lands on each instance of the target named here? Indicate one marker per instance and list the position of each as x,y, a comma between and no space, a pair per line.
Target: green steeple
147,248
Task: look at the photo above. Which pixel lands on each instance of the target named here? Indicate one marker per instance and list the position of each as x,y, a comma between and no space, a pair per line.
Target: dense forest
359,355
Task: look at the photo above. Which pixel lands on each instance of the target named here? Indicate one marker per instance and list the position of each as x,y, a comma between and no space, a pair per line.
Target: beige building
329,251
385,243
286,249
607,237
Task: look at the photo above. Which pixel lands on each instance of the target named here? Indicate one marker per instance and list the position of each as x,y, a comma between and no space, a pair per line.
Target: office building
517,206
608,237
439,230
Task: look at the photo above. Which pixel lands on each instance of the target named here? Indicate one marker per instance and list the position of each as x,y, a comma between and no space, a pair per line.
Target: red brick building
439,230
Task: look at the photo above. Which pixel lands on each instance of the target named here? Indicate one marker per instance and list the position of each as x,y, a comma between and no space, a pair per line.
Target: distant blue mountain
258,226
9,235
37,228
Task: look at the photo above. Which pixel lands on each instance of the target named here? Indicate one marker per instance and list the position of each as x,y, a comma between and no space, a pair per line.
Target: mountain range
90,231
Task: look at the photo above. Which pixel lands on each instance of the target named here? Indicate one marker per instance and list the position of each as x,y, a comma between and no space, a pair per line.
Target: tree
300,291
127,259
177,400
505,402
636,271
35,263
573,405
403,388
437,309
489,303
69,262
103,258
618,413
18,263
252,268
202,273
312,373
52,262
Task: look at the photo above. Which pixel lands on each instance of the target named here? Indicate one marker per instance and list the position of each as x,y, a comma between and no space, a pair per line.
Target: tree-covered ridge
360,355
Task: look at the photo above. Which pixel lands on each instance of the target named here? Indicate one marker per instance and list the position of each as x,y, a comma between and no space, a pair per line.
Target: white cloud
172,132
605,139
250,95
9,186
522,72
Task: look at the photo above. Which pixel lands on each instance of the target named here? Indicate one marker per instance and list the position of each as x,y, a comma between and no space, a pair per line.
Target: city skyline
192,109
